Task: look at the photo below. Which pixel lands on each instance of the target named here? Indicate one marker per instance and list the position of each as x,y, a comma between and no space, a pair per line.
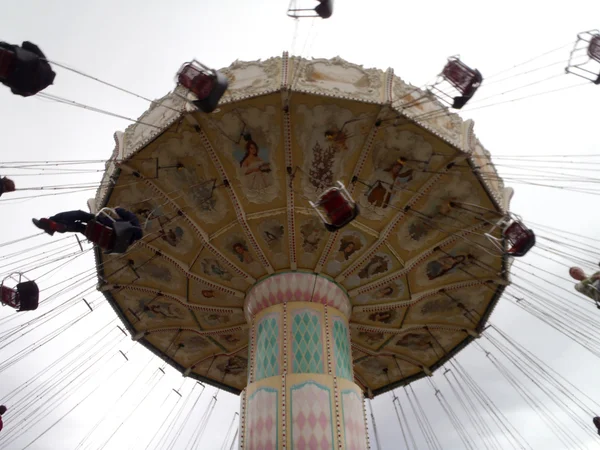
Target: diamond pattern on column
307,343
262,421
341,348
312,427
267,347
353,420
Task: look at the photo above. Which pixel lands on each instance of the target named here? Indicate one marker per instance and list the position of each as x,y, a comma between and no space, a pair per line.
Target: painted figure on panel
241,252
377,265
161,310
349,245
371,337
445,264
415,341
255,166
234,365
389,181
311,232
172,236
212,267
383,316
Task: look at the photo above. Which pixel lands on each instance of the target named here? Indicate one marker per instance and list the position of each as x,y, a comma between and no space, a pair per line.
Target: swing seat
28,71
593,50
7,59
519,239
324,10
206,84
464,80
589,69
24,297
114,239
101,235
28,294
339,208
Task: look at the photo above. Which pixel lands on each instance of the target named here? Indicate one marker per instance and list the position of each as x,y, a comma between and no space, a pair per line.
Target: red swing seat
519,239
208,85
593,50
101,235
338,206
7,59
324,10
461,79
587,68
23,297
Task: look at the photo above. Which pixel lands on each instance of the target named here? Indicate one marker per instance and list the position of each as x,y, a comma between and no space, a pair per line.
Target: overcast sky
139,45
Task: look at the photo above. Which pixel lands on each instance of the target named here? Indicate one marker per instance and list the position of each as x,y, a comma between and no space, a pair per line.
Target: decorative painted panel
341,349
353,420
267,347
262,419
307,346
312,426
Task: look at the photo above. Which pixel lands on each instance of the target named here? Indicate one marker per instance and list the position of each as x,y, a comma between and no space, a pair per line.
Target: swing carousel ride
257,261
314,232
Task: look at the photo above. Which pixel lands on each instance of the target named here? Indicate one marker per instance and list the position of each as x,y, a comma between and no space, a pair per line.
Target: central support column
300,394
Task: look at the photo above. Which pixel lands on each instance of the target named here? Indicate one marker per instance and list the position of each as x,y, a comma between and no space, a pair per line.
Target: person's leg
69,217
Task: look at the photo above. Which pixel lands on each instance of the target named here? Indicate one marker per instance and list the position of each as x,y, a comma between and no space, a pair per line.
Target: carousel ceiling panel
328,139
214,294
224,199
224,369
270,232
350,244
180,173
144,267
379,371
148,309
402,161
239,248
392,291
220,318
462,307
381,263
246,145
461,260
184,347
213,267
415,345
381,317
310,239
369,339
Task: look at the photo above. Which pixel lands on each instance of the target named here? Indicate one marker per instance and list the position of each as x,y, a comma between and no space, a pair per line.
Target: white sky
139,45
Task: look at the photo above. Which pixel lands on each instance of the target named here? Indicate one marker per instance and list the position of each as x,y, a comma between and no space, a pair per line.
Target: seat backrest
29,295
594,48
123,235
461,76
520,239
325,9
196,80
9,296
6,62
101,235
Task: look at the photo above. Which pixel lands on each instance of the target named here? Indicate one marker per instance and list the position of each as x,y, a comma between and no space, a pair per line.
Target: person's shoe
49,226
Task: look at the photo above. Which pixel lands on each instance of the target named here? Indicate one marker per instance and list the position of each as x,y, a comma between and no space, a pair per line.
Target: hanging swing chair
206,84
324,10
114,239
24,69
457,83
19,293
584,60
335,207
516,240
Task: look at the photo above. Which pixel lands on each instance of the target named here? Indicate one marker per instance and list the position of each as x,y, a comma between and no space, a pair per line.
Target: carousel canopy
225,201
